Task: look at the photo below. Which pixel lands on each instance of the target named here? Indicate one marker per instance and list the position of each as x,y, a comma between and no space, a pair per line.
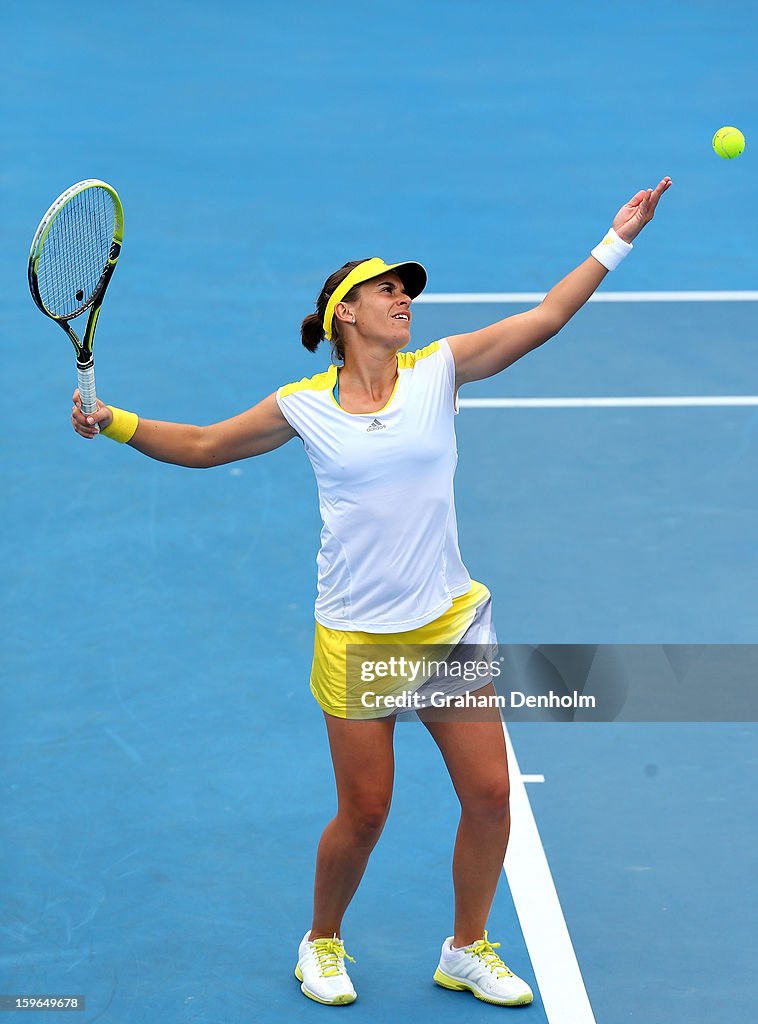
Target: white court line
539,911
467,297
532,778
620,402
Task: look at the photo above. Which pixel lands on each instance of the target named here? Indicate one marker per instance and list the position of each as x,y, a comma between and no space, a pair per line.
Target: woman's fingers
649,199
649,203
639,211
87,424
655,194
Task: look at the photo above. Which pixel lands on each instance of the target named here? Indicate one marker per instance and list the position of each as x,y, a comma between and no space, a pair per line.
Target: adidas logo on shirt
376,425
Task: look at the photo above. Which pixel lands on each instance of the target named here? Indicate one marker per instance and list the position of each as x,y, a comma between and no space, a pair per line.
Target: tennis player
379,432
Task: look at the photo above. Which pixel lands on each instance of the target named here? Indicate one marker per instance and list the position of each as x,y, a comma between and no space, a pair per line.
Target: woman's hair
312,328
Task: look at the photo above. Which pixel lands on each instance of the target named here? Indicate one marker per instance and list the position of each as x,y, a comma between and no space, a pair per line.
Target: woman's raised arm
486,352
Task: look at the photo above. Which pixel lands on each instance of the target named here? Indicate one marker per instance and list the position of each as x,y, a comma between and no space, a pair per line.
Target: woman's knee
366,812
487,798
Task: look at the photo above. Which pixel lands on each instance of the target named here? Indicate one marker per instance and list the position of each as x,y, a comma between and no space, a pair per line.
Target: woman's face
383,310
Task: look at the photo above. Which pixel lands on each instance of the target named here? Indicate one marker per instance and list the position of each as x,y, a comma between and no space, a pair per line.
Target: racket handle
85,373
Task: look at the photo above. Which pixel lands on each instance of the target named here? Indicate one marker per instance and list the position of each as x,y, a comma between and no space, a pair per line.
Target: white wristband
611,250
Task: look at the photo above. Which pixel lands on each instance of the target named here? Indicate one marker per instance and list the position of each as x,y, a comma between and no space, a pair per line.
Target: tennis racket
71,261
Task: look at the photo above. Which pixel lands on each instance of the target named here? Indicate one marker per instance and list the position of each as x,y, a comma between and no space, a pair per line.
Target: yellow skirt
330,684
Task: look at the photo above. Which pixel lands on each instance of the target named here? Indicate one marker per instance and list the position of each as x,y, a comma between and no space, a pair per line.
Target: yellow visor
413,276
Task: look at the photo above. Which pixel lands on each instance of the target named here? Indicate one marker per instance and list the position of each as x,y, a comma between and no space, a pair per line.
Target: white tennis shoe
478,969
321,971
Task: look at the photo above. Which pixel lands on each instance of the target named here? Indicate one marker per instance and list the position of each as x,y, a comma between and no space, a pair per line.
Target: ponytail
312,331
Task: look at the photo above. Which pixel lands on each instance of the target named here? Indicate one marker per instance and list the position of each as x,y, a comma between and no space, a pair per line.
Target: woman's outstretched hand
640,210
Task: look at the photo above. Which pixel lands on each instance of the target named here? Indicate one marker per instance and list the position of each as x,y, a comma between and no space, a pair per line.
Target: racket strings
75,252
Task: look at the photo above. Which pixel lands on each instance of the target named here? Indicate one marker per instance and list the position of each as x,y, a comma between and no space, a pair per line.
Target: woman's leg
475,755
364,768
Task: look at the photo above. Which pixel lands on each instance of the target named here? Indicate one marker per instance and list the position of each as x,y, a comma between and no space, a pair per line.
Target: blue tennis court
166,773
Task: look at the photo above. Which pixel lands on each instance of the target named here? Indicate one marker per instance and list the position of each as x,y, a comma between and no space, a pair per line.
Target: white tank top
389,558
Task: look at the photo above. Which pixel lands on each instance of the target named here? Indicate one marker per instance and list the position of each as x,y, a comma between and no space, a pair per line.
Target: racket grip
85,373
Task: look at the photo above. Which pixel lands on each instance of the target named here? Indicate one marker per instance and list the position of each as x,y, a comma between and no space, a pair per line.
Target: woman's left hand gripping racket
71,261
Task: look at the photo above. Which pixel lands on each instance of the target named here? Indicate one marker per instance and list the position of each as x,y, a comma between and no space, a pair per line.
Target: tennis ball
728,142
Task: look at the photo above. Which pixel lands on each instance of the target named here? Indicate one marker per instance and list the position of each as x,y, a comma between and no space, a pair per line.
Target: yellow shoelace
328,953
485,950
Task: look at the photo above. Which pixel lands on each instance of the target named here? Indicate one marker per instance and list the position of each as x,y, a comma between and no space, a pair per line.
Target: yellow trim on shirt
407,360
371,412
319,382
326,380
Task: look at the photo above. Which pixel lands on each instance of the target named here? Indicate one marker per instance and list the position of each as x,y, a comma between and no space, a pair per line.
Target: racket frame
85,364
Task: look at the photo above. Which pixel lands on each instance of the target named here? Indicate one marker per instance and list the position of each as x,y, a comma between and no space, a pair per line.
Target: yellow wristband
122,426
